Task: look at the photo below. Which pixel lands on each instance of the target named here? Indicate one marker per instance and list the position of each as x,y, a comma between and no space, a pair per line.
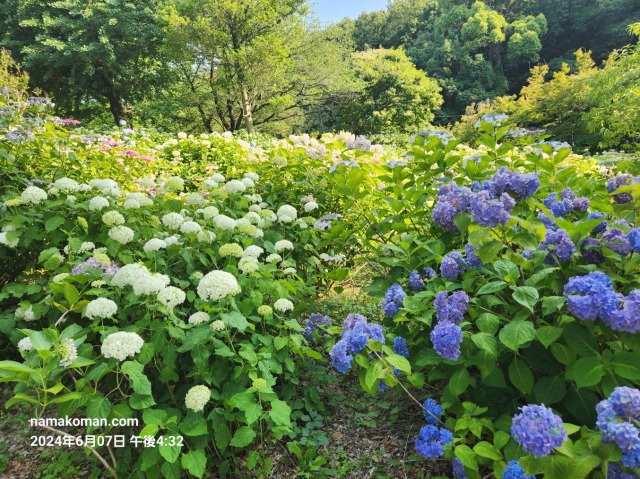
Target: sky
335,10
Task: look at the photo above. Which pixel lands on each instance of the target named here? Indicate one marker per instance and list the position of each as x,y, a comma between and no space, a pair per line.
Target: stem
95,453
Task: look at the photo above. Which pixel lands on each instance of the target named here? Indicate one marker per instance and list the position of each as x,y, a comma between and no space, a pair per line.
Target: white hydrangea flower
71,198
127,274
280,161
59,278
289,271
97,283
255,208
195,199
273,257
286,213
171,240
4,239
146,183
283,245
197,398
141,198
199,318
154,244
86,246
218,325
209,185
172,220
97,203
26,314
121,345
113,218
302,224
268,215
254,198
67,185
25,344
175,184
131,204
107,186
235,186
253,251
190,227
253,217
248,264
101,308
248,182
218,178
121,234
33,195
210,212
217,285
182,135
150,283
231,249
206,236
310,206
68,353
252,176
224,222
283,305
171,296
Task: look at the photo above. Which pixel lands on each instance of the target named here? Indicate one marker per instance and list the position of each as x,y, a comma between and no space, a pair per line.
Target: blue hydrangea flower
538,430
548,222
602,226
589,249
451,308
458,469
560,243
452,199
591,296
515,471
356,339
446,338
621,429
581,204
432,411
312,323
325,221
616,241
634,239
522,186
627,316
340,357
352,320
452,266
431,441
473,261
400,346
625,402
490,212
562,207
416,283
429,273
393,299
527,253
375,332
614,472
621,180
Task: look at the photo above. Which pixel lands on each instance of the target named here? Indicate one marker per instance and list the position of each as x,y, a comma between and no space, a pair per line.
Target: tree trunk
115,106
246,107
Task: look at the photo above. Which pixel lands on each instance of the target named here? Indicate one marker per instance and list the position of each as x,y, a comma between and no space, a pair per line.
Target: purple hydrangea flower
591,296
520,185
393,299
432,411
431,441
590,251
452,199
490,212
561,244
527,253
356,332
538,430
625,402
515,471
446,338
312,323
562,207
451,308
473,261
429,273
458,469
400,346
548,222
340,357
617,241
614,472
416,283
581,204
325,221
621,180
634,239
452,266
627,315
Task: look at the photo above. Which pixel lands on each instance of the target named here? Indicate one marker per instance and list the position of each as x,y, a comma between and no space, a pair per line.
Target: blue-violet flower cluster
538,430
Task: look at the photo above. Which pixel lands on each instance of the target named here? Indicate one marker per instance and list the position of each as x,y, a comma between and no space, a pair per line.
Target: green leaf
521,376
486,342
399,362
587,371
539,276
488,323
507,270
552,304
459,382
170,453
550,390
193,424
139,381
493,287
488,450
53,223
16,367
581,340
548,334
280,413
221,434
517,333
195,462
236,320
626,365
563,353
556,466
243,437
466,456
527,296
373,373
489,250
98,407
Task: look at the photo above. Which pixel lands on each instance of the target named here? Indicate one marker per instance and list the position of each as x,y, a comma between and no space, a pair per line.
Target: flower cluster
451,308
312,323
432,440
592,297
101,308
622,180
432,411
324,222
560,243
393,299
68,353
171,296
356,332
515,471
217,285
197,398
109,268
618,422
538,430
140,278
121,345
568,202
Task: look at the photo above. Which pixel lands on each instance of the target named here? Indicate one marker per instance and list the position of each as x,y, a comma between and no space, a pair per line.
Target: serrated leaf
517,333
527,296
243,437
280,413
521,376
550,390
195,462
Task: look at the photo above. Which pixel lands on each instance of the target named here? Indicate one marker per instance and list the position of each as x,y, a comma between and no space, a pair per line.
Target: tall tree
80,51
